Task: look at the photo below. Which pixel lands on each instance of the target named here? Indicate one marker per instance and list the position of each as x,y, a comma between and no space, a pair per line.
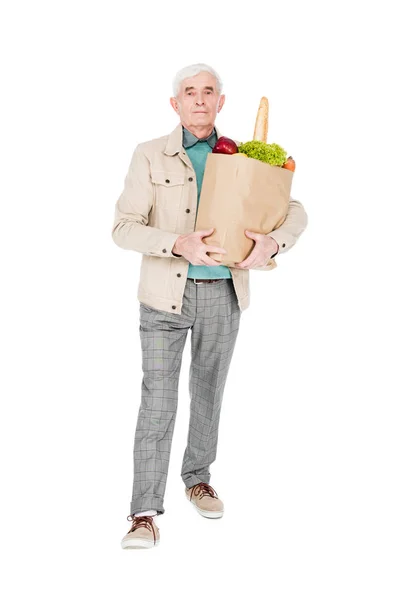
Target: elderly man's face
198,102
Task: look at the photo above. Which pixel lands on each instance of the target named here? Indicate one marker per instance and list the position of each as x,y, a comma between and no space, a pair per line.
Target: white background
308,454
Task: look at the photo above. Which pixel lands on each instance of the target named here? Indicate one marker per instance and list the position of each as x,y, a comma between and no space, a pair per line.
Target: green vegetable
269,153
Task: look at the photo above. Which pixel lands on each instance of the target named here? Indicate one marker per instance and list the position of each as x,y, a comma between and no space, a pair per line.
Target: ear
221,102
174,104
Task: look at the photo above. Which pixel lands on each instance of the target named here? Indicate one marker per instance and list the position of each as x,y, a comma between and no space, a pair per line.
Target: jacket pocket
167,187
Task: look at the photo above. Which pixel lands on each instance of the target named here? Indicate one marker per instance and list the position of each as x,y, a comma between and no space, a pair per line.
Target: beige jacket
157,205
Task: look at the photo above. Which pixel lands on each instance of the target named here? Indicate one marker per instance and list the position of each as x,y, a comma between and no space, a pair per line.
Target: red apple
225,145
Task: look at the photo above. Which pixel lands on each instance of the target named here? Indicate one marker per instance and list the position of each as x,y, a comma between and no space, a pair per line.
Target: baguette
261,127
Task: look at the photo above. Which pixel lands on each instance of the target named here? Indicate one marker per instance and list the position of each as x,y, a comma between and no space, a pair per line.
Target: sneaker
144,533
205,500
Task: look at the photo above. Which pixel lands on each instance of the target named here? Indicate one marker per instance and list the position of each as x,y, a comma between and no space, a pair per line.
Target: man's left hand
264,248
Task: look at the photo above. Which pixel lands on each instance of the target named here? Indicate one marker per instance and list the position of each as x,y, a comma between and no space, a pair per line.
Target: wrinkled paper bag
241,193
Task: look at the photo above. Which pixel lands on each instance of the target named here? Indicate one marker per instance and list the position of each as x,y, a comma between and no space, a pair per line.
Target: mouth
200,112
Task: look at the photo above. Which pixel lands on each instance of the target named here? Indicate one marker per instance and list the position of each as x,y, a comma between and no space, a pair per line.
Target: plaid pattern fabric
212,313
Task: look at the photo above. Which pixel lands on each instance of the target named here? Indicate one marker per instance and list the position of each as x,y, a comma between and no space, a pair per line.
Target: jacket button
190,178
167,181
164,249
283,245
178,274
188,210
173,306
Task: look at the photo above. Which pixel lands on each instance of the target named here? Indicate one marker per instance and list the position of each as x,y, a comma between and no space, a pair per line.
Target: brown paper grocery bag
241,193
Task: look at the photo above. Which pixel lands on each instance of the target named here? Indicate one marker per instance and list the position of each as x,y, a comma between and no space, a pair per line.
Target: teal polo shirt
197,149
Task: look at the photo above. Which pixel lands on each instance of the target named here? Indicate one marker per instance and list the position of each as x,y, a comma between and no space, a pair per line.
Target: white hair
191,71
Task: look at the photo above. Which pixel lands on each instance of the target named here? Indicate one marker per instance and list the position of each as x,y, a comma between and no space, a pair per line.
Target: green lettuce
269,153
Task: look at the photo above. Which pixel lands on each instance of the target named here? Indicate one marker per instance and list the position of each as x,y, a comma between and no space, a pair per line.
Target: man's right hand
192,247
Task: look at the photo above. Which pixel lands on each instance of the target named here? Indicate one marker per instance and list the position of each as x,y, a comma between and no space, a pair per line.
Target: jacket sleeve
291,229
130,230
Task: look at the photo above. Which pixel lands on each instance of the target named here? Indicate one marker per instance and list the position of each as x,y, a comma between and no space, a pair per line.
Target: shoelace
143,521
203,489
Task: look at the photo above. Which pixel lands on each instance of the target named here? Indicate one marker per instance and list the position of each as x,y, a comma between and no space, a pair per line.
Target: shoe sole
209,514
138,544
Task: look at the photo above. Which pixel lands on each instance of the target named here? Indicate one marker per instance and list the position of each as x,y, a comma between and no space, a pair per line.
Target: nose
200,99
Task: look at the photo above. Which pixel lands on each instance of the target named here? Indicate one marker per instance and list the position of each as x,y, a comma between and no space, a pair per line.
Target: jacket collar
174,142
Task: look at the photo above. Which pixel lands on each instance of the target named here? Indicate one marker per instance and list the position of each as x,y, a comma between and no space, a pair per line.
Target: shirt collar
188,139
174,140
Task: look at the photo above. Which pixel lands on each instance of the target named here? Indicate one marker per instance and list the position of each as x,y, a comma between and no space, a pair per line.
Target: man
183,288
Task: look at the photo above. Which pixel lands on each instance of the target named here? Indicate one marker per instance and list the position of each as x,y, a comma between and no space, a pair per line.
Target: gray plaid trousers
212,312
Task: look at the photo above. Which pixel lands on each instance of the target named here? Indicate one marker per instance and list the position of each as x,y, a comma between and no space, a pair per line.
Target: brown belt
204,280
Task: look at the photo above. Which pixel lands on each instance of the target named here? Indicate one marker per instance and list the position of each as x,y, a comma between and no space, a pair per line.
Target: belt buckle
197,282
